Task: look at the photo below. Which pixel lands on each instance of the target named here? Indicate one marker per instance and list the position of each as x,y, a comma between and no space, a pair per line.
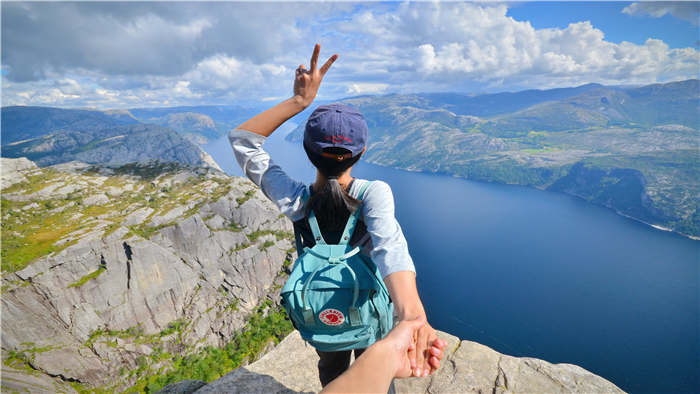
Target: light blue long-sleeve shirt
388,247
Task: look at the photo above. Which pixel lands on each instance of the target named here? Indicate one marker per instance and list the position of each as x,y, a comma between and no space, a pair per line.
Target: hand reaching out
403,342
386,359
426,355
307,82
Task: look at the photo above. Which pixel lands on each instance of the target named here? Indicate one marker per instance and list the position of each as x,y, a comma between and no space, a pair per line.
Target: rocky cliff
111,272
468,367
115,275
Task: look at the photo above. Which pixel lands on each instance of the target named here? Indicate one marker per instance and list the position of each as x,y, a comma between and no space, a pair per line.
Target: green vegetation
89,276
233,226
277,233
38,227
130,332
27,236
239,247
246,197
210,363
145,231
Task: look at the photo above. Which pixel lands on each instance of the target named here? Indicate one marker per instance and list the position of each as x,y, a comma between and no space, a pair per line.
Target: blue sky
608,17
121,55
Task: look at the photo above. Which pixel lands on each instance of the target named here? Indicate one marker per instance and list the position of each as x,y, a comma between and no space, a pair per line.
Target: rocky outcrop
468,367
12,170
136,267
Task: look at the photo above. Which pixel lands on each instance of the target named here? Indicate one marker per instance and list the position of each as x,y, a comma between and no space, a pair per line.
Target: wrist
387,351
300,102
410,312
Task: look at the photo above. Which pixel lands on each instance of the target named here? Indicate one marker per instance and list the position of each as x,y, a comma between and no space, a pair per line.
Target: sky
114,55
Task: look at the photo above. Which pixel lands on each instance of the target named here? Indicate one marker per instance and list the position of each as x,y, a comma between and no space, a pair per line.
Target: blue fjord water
540,274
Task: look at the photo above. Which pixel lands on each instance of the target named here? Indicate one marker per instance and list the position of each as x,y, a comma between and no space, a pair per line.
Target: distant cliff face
108,272
468,367
49,136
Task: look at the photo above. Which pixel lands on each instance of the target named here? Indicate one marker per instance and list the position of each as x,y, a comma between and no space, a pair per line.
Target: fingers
421,348
314,57
434,363
412,351
441,343
328,64
435,355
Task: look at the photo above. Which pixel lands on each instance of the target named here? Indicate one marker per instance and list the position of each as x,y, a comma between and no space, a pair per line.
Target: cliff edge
468,367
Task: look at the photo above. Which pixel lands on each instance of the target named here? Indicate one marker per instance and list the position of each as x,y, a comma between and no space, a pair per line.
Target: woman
333,149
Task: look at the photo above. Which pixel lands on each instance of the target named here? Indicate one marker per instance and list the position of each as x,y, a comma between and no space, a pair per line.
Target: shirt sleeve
284,191
389,247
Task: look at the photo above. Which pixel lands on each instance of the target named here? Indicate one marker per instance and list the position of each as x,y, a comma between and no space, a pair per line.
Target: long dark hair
332,204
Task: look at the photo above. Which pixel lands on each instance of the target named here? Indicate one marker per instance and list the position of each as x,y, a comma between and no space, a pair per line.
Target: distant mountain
633,149
224,117
21,123
61,135
197,128
500,103
672,103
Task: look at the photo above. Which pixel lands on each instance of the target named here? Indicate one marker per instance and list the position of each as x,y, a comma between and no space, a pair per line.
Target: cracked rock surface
117,285
469,367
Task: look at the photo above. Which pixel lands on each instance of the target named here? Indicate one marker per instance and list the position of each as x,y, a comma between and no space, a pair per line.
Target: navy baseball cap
336,125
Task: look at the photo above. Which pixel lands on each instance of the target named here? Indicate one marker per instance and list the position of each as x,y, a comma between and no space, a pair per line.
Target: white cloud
689,11
366,88
182,53
454,44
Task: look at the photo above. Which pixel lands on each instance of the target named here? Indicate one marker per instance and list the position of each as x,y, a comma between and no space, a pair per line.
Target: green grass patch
145,231
28,236
246,197
233,226
211,363
88,277
239,248
277,233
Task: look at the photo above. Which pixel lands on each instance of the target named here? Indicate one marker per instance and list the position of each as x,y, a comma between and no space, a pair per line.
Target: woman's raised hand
307,82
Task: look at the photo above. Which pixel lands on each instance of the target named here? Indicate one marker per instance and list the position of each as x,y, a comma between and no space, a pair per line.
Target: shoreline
654,226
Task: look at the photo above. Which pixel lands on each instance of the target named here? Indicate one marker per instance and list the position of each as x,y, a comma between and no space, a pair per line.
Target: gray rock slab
12,170
137,217
469,367
15,380
96,199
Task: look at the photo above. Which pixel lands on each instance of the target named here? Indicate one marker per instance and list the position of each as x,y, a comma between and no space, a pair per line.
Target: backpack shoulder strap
297,235
352,220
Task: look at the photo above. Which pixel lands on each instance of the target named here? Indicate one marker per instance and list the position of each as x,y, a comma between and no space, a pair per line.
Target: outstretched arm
373,370
306,84
402,289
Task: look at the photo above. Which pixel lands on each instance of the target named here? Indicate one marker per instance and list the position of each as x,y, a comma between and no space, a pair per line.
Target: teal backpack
335,295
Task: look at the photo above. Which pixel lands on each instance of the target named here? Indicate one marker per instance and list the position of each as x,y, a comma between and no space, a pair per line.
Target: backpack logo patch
331,317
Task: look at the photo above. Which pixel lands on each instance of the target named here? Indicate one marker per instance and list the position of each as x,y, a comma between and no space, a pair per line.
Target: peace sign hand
307,82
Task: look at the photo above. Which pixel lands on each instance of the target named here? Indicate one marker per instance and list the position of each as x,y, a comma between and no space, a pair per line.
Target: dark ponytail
332,204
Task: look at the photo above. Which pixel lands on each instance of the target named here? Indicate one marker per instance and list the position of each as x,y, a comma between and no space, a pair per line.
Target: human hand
307,82
428,351
398,343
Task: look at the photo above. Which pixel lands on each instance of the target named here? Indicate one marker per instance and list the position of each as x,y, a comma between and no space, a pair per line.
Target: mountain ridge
652,130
